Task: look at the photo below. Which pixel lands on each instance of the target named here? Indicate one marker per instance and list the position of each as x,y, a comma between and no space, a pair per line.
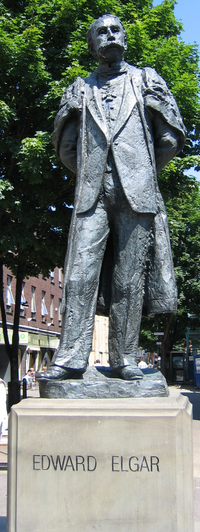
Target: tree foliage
182,200
42,50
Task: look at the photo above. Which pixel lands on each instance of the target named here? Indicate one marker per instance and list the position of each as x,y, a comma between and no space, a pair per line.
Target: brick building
40,320
40,323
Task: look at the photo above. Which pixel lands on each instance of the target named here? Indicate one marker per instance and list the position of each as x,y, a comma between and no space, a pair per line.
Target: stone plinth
117,465
98,382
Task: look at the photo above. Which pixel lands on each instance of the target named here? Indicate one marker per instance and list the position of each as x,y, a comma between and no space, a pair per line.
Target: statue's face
108,40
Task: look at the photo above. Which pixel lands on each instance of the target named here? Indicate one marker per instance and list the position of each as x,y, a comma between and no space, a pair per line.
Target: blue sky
188,12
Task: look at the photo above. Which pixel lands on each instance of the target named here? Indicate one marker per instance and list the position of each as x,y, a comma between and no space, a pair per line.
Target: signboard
53,342
44,340
23,337
2,336
33,339
197,365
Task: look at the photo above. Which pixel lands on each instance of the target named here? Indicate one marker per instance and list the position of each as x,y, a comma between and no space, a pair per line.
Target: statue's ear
91,48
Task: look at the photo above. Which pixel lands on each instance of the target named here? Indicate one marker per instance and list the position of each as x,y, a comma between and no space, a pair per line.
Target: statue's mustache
109,45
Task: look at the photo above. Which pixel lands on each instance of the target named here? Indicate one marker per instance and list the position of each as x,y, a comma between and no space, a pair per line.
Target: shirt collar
115,69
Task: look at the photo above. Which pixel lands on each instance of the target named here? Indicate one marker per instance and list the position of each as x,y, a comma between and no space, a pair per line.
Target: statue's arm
166,141
165,121
66,125
68,143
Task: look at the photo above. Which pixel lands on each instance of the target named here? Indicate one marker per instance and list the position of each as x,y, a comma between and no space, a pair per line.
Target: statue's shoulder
147,75
150,72
134,72
152,78
142,76
73,92
91,79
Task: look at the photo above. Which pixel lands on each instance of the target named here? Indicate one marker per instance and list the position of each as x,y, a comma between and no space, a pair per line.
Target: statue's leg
132,240
88,244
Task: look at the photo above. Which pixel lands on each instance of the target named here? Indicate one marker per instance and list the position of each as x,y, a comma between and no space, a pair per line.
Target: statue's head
106,39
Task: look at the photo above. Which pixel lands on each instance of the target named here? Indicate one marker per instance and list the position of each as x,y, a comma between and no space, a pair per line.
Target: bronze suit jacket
148,132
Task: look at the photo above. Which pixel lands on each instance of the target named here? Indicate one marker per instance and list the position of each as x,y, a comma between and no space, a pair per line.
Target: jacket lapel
128,102
93,102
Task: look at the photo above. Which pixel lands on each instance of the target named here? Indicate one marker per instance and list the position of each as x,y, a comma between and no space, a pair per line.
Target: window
33,304
9,297
59,313
23,302
43,308
60,278
52,277
51,308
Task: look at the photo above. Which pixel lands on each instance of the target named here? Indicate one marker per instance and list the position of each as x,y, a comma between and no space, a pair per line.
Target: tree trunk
12,350
163,359
3,313
15,338
14,395
165,347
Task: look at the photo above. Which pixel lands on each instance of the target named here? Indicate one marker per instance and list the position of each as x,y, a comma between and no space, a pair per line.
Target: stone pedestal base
109,465
98,382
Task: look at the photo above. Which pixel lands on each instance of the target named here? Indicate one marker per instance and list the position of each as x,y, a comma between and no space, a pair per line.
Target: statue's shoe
130,373
58,373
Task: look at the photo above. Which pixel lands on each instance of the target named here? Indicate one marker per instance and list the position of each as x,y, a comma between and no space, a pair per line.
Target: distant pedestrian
142,364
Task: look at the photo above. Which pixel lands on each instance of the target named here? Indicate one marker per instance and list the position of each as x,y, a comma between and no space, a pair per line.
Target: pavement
193,395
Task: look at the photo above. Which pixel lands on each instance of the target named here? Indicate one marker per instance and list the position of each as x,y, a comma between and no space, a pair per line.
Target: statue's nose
110,35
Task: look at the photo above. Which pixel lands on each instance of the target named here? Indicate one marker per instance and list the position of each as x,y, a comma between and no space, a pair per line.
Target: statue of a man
116,130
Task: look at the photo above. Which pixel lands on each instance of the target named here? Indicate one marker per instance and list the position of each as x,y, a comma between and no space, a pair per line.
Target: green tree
34,188
42,50
182,198
183,207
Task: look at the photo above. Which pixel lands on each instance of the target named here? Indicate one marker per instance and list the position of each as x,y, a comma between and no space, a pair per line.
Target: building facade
40,320
40,323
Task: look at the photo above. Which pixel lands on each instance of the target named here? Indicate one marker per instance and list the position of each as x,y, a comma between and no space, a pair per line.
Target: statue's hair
90,32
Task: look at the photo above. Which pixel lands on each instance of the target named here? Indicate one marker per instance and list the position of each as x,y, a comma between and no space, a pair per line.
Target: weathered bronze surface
99,383
116,130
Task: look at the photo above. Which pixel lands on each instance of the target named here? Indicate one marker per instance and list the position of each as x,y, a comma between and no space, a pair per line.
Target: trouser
131,235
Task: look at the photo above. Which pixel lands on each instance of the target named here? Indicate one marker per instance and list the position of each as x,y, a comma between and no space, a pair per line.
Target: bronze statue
116,130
